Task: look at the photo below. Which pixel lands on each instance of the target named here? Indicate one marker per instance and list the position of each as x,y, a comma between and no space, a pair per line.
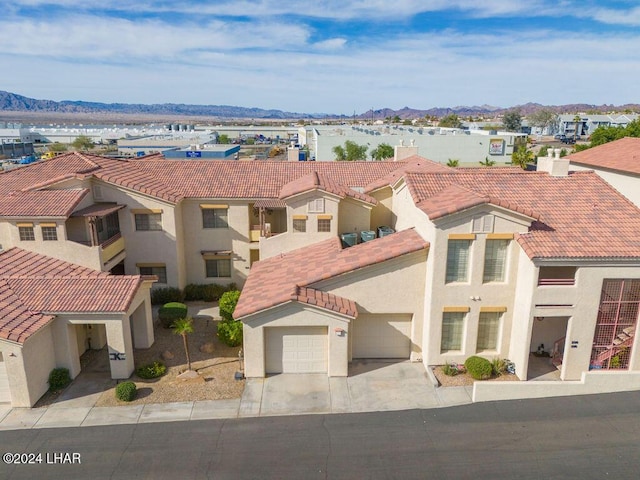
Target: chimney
553,164
400,152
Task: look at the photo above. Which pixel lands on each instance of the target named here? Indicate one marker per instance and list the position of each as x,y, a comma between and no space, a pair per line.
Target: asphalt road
595,436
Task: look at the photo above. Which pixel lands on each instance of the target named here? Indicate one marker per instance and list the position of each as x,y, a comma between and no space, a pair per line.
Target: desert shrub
152,370
230,332
498,366
126,391
213,292
478,367
194,291
450,370
228,303
171,312
208,292
160,296
59,378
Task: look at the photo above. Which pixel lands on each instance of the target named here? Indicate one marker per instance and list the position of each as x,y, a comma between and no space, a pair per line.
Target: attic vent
97,192
483,224
316,205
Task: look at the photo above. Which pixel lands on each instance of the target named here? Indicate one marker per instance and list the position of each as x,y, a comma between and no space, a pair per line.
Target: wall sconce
339,331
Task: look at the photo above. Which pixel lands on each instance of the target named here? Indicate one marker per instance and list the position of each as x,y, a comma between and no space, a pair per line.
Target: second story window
458,254
148,221
495,260
26,232
49,233
159,271
316,205
215,218
299,225
324,224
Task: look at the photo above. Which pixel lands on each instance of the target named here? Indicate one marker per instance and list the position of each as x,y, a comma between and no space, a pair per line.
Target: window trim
218,222
148,215
31,231
316,205
51,229
214,258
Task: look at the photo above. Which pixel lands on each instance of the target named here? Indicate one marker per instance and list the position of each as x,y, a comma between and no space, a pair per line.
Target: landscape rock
207,347
167,355
190,376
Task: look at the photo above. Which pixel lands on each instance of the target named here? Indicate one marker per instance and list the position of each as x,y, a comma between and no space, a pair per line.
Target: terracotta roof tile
577,216
33,286
410,164
621,155
319,181
328,301
275,280
41,203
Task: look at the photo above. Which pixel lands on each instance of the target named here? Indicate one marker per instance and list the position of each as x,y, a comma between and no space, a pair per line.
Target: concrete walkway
371,387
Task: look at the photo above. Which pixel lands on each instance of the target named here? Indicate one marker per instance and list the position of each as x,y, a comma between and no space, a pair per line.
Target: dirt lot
217,369
464,379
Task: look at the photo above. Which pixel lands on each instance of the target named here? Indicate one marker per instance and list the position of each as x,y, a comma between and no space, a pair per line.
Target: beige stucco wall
28,367
295,314
394,286
473,294
353,217
382,213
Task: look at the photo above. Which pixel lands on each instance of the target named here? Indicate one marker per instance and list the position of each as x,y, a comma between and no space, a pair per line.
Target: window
219,267
26,234
495,260
159,271
316,205
49,233
215,218
452,327
324,225
300,225
488,327
108,227
148,221
483,224
458,261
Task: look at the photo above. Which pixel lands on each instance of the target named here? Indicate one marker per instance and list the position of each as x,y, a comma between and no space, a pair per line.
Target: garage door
382,336
5,395
296,350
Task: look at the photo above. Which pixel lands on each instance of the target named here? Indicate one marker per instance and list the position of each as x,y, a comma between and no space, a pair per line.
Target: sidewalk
304,394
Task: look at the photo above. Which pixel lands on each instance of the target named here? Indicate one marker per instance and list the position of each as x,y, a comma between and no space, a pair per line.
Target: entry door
5,394
382,336
296,349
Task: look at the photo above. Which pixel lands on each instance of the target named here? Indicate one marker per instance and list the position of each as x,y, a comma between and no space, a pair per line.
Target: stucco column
120,347
66,346
142,324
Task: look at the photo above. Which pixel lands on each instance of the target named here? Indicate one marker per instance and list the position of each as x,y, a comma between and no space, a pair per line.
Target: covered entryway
382,336
5,393
296,350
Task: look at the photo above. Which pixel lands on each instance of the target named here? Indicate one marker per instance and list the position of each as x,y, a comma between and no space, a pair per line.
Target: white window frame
483,224
315,205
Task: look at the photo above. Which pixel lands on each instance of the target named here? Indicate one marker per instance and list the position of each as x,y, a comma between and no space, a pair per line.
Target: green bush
478,367
126,391
498,366
230,332
171,312
208,292
228,303
59,378
160,296
152,370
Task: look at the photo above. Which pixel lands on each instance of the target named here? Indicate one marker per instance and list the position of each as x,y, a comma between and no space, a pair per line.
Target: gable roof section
277,280
577,216
42,203
620,155
413,163
327,301
319,181
34,287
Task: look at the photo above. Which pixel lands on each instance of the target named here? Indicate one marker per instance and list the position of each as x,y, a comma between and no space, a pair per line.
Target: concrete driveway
372,385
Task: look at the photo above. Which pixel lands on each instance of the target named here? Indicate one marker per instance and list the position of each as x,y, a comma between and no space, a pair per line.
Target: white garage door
382,336
5,395
296,350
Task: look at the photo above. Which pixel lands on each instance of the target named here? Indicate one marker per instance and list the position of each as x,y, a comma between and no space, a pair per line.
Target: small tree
382,152
224,139
227,304
450,121
350,152
183,327
339,152
521,156
543,118
512,121
82,143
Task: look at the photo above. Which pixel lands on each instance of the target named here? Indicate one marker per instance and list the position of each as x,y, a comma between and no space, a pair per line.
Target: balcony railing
555,282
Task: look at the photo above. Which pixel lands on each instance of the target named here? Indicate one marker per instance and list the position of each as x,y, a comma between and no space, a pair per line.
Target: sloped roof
41,203
277,280
327,301
34,287
319,181
413,163
577,216
620,155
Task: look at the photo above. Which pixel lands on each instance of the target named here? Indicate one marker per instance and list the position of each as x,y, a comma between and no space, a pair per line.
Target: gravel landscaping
464,379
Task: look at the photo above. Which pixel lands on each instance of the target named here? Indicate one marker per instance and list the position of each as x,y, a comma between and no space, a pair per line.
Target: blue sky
333,56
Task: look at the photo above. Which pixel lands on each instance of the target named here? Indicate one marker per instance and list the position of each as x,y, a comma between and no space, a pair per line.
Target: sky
323,56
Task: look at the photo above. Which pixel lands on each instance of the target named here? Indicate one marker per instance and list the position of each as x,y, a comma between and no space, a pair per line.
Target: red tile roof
577,216
319,181
413,163
325,300
41,203
621,155
278,279
34,287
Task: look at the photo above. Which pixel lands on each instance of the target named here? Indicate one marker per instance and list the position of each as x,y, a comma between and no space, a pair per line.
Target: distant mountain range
18,103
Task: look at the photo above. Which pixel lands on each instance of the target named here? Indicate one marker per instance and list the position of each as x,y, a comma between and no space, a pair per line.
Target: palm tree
453,162
183,327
